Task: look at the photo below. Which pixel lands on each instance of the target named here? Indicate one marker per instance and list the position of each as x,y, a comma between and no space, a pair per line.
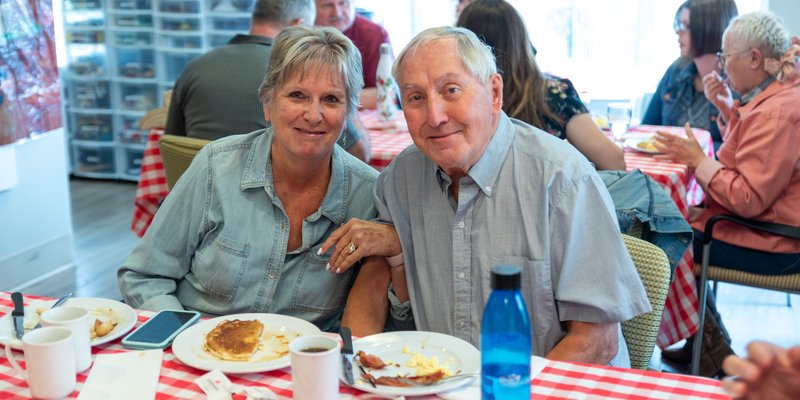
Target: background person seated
216,95
367,36
239,232
758,172
679,97
544,101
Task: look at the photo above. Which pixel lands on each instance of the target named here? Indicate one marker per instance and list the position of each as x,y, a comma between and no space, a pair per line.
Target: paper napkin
121,376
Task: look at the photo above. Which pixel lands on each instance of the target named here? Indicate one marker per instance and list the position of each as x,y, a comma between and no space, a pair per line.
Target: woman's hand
683,150
357,239
718,93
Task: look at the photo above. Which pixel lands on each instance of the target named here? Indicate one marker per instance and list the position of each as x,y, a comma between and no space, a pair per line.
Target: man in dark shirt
216,95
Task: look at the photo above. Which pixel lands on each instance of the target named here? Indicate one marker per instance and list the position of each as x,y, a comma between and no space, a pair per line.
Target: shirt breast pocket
318,290
219,267
537,291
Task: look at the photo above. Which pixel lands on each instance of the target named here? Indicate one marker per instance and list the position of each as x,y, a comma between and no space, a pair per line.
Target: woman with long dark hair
544,101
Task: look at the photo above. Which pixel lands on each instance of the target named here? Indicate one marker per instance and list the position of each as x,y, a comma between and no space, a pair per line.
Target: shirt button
488,189
461,225
273,275
460,275
462,324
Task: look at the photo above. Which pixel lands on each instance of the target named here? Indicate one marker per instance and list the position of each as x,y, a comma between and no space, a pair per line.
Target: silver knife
347,355
18,315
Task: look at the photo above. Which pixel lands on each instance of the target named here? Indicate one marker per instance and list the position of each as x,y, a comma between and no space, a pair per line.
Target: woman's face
684,36
308,114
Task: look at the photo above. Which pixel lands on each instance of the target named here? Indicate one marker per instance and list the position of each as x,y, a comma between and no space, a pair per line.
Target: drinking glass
619,117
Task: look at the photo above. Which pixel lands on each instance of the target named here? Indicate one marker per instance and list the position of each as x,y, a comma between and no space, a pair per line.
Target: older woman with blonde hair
239,232
757,174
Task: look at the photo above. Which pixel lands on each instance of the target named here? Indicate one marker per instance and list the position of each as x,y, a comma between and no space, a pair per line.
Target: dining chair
177,153
654,270
789,283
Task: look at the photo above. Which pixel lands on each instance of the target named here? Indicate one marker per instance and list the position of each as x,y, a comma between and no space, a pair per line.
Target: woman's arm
584,134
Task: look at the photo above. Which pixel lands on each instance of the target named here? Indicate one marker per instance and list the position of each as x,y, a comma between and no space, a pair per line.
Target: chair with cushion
654,270
177,153
789,283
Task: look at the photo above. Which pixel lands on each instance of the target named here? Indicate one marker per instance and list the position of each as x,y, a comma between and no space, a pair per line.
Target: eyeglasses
680,27
722,58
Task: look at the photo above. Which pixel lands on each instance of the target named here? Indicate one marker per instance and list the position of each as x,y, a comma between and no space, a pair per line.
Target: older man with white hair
479,189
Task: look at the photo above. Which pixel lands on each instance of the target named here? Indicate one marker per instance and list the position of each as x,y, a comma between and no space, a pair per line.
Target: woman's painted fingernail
319,251
338,270
328,266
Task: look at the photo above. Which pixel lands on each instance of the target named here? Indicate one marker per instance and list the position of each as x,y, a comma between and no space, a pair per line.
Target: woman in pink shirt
757,174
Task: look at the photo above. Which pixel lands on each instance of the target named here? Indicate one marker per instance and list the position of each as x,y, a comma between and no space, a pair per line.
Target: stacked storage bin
121,57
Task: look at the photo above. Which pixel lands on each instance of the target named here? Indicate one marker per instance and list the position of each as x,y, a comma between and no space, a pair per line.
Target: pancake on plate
234,340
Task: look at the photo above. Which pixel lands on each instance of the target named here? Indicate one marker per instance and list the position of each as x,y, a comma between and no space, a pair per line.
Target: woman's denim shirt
637,197
218,243
676,102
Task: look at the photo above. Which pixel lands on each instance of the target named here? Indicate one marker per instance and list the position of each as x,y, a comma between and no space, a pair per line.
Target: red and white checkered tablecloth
681,316
558,380
152,187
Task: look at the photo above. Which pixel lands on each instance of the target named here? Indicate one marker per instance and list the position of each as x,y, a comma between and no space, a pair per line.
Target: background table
681,315
558,380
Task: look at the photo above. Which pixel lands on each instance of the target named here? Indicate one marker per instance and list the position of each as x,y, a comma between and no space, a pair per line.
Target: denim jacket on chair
637,197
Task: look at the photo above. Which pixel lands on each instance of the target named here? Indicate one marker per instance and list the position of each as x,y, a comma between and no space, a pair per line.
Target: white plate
452,352
633,144
188,346
102,309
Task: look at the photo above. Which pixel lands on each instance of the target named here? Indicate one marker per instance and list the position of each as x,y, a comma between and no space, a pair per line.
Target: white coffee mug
315,368
75,319
50,359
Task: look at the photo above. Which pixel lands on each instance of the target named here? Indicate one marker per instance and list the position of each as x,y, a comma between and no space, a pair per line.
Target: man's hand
357,239
683,150
768,372
587,342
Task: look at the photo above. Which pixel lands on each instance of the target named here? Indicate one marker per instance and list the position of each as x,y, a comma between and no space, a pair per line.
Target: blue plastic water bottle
505,339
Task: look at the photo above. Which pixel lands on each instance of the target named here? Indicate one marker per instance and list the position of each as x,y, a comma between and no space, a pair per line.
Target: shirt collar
258,173
756,91
254,39
485,171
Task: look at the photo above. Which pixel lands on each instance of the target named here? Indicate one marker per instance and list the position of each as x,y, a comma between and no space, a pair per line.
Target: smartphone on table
159,331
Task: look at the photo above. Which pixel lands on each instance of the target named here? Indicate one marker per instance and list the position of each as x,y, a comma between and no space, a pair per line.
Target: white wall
789,11
35,218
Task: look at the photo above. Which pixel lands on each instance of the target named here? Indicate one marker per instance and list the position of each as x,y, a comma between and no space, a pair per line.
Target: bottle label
386,97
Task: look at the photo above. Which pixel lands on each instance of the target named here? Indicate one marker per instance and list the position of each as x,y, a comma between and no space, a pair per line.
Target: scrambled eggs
425,365
648,145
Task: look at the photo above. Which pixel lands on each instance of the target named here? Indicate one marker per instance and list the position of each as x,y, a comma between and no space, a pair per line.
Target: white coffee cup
75,319
50,359
315,368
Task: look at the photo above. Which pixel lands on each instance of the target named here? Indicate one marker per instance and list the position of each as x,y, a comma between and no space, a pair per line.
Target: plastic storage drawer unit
91,127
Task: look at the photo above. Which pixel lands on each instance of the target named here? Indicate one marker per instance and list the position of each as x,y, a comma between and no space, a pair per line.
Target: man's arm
368,301
587,342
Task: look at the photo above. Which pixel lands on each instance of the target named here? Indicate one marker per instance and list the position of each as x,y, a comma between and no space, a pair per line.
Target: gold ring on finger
351,248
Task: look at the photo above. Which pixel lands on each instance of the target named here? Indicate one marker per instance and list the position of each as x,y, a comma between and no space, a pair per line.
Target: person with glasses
757,175
679,97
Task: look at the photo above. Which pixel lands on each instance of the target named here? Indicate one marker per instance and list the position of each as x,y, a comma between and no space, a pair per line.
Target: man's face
451,115
339,14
